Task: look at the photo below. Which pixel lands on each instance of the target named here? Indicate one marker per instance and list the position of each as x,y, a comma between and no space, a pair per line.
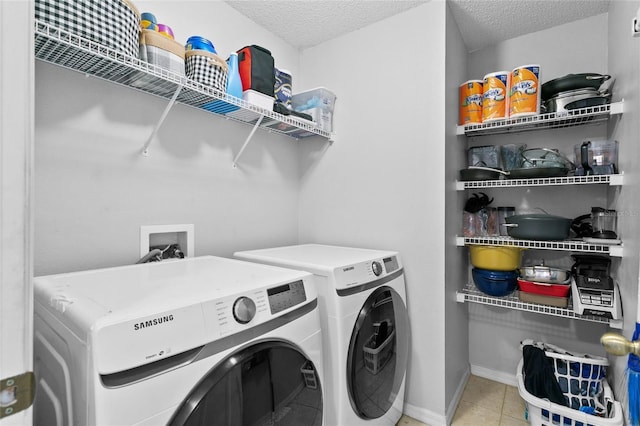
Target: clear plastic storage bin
484,156
319,103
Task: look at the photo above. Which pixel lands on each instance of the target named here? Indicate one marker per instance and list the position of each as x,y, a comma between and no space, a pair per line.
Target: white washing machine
203,340
365,327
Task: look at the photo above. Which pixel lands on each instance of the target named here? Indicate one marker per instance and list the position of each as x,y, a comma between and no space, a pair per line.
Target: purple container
165,30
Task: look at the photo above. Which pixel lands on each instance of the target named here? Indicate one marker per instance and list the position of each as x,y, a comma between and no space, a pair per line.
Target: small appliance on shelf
596,157
593,290
598,227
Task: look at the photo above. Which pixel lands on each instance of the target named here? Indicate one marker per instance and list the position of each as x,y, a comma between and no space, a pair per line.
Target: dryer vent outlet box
165,235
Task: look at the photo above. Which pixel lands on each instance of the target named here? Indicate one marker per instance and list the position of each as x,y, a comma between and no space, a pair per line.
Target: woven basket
206,68
111,23
162,51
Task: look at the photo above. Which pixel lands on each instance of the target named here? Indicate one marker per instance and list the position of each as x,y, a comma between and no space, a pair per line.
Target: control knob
377,268
244,309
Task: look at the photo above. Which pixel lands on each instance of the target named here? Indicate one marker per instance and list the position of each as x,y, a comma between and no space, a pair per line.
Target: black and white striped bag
206,68
111,23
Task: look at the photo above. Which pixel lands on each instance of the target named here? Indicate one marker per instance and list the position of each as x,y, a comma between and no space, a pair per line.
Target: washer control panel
390,263
376,267
286,296
234,313
244,309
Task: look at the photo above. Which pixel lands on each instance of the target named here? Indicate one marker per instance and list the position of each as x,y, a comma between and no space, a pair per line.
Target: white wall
16,227
624,62
381,184
94,190
456,314
576,47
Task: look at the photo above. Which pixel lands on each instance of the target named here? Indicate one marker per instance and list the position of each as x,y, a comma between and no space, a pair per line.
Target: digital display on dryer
390,264
286,296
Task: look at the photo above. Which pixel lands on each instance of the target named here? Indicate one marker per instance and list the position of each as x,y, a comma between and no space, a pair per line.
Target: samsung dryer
365,327
203,340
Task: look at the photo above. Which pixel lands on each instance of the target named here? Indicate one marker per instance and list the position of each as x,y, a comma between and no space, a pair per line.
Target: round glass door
378,351
270,383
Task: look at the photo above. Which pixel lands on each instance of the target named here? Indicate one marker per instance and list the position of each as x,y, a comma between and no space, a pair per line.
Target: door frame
16,165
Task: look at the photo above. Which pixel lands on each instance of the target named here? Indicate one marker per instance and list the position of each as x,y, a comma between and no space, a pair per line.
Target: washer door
269,383
378,351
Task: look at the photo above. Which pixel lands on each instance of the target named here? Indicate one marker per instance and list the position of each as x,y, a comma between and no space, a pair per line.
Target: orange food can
470,102
524,91
495,87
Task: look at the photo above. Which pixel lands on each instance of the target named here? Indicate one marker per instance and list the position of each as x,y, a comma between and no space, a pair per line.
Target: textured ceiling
306,23
483,23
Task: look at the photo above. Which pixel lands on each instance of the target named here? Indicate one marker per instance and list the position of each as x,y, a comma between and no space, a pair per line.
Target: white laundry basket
542,412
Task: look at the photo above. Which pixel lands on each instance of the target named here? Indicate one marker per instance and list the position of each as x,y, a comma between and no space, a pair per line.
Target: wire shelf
613,180
471,294
565,245
554,120
70,51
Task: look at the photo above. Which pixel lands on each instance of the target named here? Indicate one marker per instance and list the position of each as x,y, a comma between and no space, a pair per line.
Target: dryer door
268,383
378,351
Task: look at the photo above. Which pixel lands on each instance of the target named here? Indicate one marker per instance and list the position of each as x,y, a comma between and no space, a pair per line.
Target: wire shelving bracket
246,142
145,148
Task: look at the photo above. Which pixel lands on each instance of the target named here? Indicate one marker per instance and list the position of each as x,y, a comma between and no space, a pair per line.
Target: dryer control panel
365,272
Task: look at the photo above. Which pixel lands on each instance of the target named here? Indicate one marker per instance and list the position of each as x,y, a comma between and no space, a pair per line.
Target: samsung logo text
152,322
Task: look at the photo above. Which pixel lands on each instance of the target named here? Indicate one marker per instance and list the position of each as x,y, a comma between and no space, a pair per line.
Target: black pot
576,99
572,82
541,227
481,173
538,172
586,103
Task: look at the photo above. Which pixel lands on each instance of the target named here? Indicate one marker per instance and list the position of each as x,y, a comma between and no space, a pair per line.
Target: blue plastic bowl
495,283
199,43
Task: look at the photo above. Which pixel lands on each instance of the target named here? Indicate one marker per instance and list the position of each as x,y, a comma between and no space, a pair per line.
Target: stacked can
524,93
495,87
470,102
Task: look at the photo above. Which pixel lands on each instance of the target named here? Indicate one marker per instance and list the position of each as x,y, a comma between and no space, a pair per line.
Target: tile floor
484,402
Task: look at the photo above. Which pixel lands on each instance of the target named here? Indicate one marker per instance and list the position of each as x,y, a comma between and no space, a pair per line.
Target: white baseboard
496,376
434,419
425,416
451,410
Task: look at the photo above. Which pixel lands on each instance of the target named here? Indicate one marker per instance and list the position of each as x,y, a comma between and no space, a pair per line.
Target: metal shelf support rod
246,142
145,148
